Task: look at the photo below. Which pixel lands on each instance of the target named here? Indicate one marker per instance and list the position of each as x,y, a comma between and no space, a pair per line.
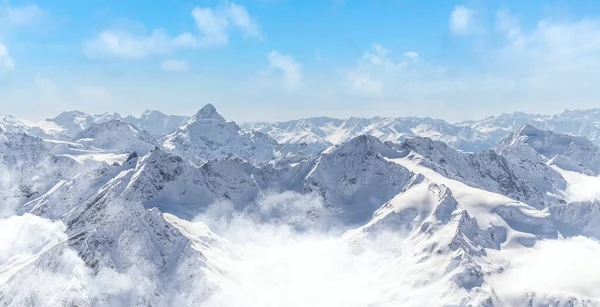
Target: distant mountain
115,215
323,132
157,123
116,135
66,125
569,152
469,136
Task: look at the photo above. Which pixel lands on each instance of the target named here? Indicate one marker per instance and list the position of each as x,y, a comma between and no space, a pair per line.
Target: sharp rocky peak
208,112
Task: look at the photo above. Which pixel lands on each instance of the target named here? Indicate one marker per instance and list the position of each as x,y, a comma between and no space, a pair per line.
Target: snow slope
207,136
116,135
216,216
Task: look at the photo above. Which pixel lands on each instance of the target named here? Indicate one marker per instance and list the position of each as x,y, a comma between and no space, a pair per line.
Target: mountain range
160,210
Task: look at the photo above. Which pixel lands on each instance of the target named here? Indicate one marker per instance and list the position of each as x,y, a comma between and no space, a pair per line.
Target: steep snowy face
116,135
28,169
355,178
208,112
20,149
112,236
118,253
207,135
174,185
522,177
452,233
568,152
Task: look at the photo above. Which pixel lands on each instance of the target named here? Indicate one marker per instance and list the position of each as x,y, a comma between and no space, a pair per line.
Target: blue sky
284,59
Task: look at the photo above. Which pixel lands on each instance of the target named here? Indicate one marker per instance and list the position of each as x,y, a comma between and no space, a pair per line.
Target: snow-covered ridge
207,135
322,132
470,136
135,231
116,135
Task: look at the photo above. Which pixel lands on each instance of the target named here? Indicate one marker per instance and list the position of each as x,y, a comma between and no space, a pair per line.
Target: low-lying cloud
552,270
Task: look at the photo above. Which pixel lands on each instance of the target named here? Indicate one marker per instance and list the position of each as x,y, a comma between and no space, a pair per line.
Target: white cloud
376,70
563,268
25,16
213,25
174,65
365,85
126,45
538,69
6,61
288,67
462,20
239,17
411,54
16,17
553,64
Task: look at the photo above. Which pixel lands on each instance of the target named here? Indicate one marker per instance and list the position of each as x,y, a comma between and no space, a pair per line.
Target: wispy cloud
240,18
377,71
364,84
126,45
462,20
25,16
288,68
12,18
213,27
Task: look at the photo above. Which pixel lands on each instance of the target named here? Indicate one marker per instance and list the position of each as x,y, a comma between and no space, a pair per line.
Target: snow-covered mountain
469,136
323,132
116,135
370,213
67,125
568,152
44,129
156,123
319,133
207,135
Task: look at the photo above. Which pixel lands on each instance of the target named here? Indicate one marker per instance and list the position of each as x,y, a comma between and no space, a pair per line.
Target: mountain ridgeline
125,202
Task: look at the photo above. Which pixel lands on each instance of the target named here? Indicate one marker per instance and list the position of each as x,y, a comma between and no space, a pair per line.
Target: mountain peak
529,130
208,112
